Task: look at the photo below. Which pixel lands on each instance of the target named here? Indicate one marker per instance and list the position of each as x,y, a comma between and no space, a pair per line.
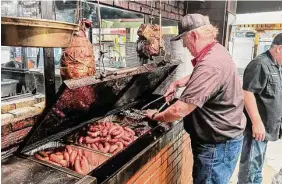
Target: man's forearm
182,82
251,107
175,112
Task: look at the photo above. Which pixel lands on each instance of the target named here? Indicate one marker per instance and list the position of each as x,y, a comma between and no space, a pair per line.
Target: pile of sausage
77,159
107,137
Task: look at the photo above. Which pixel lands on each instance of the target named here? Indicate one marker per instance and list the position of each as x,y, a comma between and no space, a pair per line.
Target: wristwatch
153,116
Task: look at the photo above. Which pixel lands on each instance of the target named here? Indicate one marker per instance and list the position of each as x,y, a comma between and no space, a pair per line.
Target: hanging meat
78,59
148,44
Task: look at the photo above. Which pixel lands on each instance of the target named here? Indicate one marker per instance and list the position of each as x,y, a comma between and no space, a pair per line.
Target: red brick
175,146
145,9
110,2
148,181
168,8
6,129
22,124
122,4
156,174
160,7
134,6
155,166
172,157
164,157
176,176
143,178
178,181
162,151
171,174
165,14
164,166
170,151
179,166
142,1
166,172
156,181
149,163
141,171
176,161
14,137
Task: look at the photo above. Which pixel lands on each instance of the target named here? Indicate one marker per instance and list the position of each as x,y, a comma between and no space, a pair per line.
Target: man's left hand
149,113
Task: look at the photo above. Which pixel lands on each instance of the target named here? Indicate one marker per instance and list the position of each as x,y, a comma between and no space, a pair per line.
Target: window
118,36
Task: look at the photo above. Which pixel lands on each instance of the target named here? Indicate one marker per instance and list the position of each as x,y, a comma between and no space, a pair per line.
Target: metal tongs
147,105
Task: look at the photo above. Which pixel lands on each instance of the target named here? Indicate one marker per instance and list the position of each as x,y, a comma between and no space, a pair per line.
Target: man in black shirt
262,86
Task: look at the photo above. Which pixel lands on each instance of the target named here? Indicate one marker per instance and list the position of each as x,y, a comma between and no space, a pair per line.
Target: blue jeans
215,163
252,158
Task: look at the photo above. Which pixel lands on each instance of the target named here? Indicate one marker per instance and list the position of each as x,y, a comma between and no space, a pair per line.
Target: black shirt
263,77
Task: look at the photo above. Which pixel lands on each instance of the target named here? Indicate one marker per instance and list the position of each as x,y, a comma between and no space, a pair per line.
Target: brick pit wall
170,9
173,164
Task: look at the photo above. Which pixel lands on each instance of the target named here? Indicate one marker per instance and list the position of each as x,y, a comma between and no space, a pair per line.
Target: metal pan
29,32
54,145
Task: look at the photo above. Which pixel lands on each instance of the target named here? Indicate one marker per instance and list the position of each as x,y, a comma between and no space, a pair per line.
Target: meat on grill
77,159
107,137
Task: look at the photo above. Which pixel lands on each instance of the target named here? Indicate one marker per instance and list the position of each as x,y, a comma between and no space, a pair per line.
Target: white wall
259,18
242,51
185,68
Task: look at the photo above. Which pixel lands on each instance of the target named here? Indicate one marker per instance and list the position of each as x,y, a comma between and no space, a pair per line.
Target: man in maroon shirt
211,105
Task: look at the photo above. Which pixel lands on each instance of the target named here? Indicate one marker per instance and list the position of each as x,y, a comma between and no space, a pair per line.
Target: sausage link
94,129
69,149
93,134
104,132
113,141
59,155
79,152
84,165
113,148
120,147
100,147
66,156
90,158
121,133
94,146
39,157
129,130
127,139
107,147
77,166
81,140
125,143
73,156
108,138
58,160
112,129
90,140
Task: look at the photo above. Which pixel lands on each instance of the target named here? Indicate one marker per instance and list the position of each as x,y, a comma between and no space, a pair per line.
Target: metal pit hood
82,101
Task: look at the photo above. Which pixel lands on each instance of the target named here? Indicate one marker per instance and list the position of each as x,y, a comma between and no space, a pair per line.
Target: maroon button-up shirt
215,88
